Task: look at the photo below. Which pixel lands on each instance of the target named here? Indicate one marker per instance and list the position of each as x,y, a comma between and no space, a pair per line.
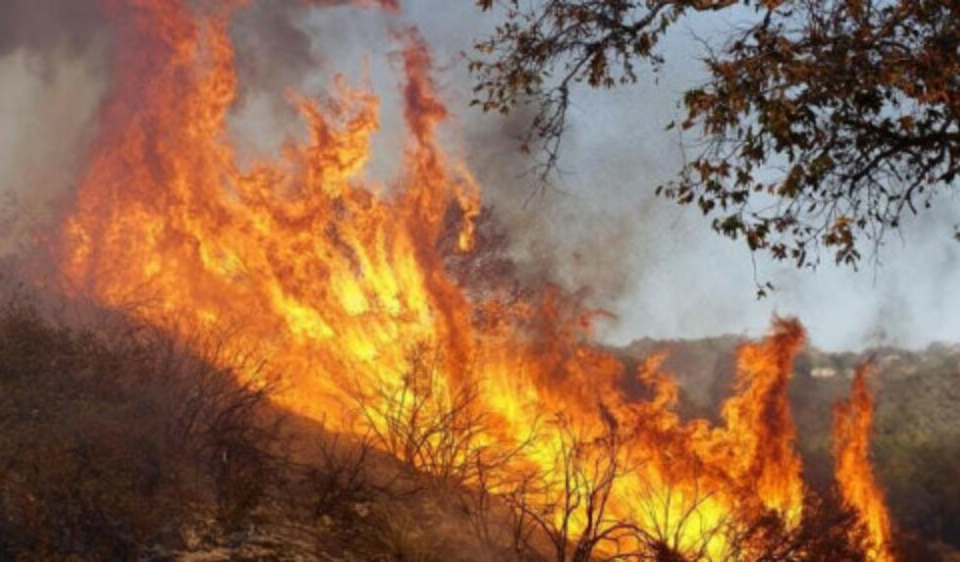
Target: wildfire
339,280
853,420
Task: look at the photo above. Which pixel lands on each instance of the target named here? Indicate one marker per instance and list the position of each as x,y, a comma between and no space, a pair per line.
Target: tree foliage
824,122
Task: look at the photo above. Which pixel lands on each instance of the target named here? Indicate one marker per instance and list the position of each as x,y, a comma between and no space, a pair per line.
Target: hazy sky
676,277
657,266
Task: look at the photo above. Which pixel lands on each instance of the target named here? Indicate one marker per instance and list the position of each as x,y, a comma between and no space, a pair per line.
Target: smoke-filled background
658,267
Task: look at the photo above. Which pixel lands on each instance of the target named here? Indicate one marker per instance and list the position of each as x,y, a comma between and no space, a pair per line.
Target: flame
853,419
762,427
337,278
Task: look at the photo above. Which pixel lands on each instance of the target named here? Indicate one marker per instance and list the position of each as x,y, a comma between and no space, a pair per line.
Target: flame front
337,280
853,420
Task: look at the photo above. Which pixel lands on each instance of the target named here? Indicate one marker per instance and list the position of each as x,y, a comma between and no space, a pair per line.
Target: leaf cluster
822,123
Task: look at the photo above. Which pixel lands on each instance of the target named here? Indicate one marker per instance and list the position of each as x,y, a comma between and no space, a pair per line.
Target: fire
760,421
853,419
337,279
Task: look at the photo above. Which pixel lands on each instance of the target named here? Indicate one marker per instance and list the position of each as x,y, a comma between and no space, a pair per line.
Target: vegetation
117,443
117,438
823,121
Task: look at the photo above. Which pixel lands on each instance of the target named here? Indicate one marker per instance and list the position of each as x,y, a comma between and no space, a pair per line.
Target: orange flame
760,421
853,419
336,278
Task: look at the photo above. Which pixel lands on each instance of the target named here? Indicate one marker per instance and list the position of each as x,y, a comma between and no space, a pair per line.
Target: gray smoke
659,267
43,26
53,73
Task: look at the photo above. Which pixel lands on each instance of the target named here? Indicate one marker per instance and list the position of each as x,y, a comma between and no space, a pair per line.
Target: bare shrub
342,476
223,418
568,503
434,426
827,531
688,535
114,435
445,442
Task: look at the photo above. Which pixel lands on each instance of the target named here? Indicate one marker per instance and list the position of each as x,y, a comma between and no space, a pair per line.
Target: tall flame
337,278
853,420
759,413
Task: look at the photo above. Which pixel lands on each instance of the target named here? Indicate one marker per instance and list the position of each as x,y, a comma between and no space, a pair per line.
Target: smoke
658,267
45,25
52,77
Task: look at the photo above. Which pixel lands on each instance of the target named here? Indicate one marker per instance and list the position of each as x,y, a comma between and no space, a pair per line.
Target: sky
657,267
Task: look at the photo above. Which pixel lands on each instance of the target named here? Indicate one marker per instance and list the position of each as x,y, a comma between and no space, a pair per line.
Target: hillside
118,443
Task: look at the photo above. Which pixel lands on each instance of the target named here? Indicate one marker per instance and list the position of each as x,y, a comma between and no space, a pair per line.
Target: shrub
113,436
